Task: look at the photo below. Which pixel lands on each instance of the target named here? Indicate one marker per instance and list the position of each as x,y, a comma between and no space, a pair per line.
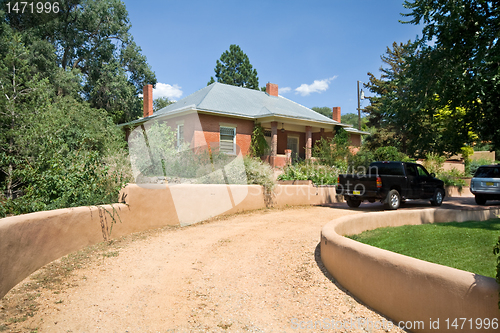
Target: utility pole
359,110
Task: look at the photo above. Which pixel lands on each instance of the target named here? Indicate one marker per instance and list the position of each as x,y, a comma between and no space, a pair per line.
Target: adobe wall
30,241
405,288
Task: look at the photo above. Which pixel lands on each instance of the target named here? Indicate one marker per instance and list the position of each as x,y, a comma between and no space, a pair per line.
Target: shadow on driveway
448,203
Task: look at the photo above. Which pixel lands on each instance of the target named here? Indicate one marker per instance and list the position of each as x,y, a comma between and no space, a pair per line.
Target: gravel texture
252,272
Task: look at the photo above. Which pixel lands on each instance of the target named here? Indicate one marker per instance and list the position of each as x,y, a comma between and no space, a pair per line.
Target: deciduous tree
458,60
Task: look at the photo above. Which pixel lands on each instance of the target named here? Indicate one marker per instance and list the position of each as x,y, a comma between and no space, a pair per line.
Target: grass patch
467,245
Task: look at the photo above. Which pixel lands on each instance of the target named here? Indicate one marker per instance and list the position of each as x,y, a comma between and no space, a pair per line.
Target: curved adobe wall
30,241
405,288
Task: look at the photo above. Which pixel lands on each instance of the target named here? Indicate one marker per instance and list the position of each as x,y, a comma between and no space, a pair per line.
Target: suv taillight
338,179
379,182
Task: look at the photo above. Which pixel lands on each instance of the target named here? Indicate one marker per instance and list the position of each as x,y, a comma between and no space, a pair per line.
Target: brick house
224,116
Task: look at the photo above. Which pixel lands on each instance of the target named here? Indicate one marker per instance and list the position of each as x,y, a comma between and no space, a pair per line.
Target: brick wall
244,128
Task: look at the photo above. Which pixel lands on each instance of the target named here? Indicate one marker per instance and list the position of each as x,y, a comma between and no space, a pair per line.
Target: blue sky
314,50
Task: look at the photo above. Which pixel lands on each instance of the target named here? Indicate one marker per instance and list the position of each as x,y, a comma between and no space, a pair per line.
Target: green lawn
467,246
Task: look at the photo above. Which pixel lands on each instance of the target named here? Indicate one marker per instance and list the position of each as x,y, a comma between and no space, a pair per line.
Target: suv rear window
488,172
393,169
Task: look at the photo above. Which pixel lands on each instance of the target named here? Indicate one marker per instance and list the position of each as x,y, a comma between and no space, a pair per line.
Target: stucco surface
30,241
405,288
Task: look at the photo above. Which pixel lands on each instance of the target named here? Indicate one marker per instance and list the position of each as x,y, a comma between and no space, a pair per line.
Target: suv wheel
393,200
480,200
353,203
437,198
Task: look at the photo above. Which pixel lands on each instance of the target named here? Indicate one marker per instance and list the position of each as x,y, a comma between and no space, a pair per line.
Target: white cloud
173,92
317,86
284,90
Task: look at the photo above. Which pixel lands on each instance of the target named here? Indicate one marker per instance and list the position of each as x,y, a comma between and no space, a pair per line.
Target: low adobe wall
404,288
30,241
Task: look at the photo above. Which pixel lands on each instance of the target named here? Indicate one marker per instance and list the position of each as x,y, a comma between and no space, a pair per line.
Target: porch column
274,142
308,142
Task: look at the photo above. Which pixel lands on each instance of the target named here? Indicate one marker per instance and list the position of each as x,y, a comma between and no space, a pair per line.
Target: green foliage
334,152
434,163
462,245
452,177
352,119
390,154
160,103
325,111
362,159
317,173
385,111
258,145
496,252
258,172
234,68
459,41
466,153
475,164
86,50
80,161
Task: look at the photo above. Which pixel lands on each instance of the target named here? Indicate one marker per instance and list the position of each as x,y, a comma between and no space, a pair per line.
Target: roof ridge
209,90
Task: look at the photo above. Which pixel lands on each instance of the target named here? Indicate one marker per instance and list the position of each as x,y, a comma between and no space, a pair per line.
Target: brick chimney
272,89
147,95
336,113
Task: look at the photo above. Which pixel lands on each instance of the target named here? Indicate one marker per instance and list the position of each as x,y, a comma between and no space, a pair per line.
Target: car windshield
488,172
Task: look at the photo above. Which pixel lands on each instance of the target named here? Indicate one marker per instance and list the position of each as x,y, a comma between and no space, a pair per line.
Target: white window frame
180,140
233,128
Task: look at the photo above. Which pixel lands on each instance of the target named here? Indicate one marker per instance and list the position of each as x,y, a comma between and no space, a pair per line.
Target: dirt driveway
252,272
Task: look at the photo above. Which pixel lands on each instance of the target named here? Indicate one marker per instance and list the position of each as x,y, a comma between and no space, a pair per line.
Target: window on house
227,140
180,135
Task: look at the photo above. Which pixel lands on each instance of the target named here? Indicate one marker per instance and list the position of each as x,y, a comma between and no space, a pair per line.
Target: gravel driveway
251,272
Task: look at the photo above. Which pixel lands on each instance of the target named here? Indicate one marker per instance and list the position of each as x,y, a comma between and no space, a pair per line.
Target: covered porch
292,140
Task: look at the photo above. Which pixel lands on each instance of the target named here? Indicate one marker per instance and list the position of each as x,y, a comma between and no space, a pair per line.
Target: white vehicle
485,185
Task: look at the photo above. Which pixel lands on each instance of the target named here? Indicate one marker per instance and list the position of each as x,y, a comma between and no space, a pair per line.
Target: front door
292,142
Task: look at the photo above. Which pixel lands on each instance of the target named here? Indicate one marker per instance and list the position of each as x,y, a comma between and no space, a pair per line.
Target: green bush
452,177
389,153
258,172
335,152
362,159
317,173
73,156
434,163
475,164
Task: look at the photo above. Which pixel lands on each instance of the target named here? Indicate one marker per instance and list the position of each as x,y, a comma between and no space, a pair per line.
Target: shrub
389,153
362,159
258,145
475,164
258,172
317,173
434,163
73,155
334,152
452,177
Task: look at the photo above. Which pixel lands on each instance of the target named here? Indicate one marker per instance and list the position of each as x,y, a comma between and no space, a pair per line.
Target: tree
325,111
387,110
160,103
234,68
88,42
22,96
460,44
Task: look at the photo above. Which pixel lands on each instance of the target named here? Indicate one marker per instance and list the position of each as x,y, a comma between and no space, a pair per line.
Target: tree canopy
457,65
234,68
86,50
66,79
